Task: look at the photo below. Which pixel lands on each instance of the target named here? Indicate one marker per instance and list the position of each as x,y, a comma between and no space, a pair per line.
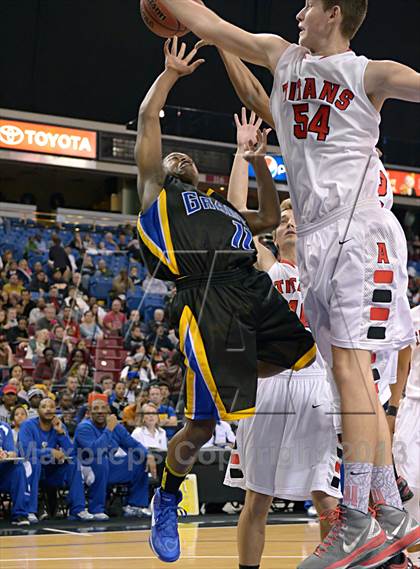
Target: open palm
177,60
247,129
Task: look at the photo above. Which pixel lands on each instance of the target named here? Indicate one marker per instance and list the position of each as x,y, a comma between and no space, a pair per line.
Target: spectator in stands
154,286
115,319
88,241
58,280
39,283
6,354
19,414
102,270
166,395
58,257
37,345
223,436
37,312
35,396
14,284
122,242
3,319
70,324
47,368
48,320
16,372
167,415
98,312
45,443
107,385
27,303
134,338
134,276
132,386
98,440
158,320
149,433
132,412
121,284
77,242
27,383
160,340
65,401
87,270
69,421
76,358
9,400
13,477
109,242
76,301
18,335
84,381
60,343
24,272
174,374
89,328
120,401
71,257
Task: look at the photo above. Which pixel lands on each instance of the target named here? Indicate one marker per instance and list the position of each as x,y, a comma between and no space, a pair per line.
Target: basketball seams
150,14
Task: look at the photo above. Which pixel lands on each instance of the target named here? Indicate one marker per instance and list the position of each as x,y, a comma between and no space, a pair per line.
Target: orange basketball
159,20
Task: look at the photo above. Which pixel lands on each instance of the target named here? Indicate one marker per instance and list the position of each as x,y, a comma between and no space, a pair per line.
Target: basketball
159,20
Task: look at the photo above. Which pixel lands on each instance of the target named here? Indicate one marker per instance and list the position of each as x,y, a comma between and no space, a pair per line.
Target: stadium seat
100,287
151,302
135,298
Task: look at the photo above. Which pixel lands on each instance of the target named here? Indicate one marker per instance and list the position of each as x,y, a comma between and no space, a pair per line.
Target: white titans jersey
285,277
413,384
327,129
385,193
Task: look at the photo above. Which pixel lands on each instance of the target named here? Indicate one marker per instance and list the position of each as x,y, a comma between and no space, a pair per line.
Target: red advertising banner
405,183
48,139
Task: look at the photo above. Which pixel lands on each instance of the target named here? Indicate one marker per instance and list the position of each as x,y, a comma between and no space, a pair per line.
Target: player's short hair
285,205
354,13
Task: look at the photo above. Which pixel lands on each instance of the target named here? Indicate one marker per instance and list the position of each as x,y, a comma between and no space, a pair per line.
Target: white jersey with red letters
385,193
327,130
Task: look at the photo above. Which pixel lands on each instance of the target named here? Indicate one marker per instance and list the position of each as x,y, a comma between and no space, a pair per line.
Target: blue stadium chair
151,302
100,287
134,299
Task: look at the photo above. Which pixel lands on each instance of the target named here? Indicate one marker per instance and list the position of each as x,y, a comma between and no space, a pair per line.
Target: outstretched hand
246,130
177,61
254,151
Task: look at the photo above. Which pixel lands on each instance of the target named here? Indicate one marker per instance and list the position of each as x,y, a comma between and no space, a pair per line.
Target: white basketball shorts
353,271
289,448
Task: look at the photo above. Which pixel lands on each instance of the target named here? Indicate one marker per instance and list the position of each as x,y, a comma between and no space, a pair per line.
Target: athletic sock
171,480
384,487
357,482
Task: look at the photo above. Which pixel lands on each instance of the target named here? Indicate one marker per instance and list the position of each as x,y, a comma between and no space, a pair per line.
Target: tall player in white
351,253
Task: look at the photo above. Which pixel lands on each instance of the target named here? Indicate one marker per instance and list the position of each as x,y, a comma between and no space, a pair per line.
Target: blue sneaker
164,538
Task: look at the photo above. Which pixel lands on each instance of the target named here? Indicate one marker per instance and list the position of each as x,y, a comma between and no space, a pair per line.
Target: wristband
392,411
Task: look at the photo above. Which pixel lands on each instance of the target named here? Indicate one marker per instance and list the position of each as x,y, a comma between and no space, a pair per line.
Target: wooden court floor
203,548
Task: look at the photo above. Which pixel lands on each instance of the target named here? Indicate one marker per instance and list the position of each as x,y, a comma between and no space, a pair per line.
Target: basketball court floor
205,546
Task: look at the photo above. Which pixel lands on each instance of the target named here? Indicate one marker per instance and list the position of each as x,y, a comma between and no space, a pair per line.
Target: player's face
99,412
312,23
286,231
181,166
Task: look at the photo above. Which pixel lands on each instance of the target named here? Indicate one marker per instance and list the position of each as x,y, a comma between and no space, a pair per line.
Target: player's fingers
201,43
258,123
174,45
182,50
190,55
237,121
166,47
252,118
267,131
196,64
244,121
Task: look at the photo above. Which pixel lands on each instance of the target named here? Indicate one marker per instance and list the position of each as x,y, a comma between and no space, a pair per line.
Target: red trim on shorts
379,314
234,459
373,358
383,277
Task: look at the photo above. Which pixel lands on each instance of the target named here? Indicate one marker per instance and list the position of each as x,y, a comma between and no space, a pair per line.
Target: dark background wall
95,59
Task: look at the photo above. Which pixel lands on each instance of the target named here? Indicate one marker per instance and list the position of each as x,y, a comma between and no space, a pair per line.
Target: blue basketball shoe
164,538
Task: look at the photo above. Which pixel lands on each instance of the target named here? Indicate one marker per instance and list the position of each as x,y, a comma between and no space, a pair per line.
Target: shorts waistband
308,228
219,278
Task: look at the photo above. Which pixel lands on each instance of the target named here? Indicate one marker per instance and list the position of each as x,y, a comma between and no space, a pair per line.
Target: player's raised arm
148,150
246,131
267,217
262,49
249,90
391,80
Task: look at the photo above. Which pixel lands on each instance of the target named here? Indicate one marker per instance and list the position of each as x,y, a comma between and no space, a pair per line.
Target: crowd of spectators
55,337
